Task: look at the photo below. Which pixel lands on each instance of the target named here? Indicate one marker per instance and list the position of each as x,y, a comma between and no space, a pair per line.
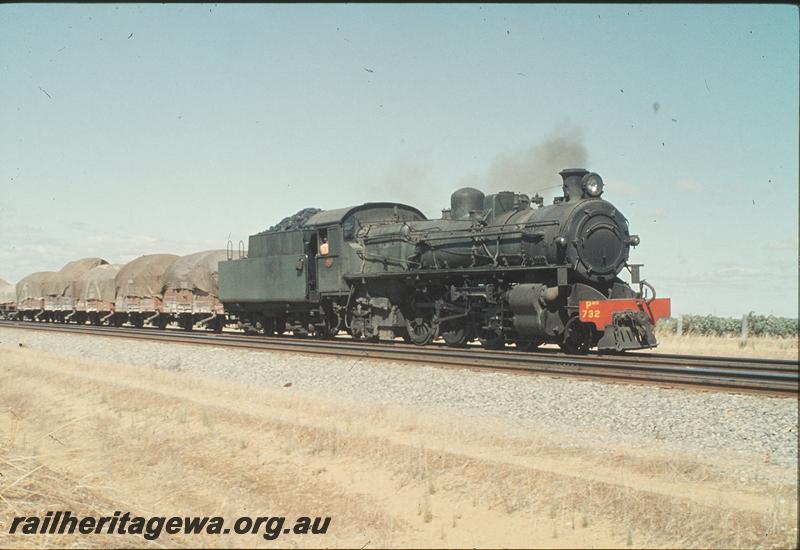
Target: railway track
774,377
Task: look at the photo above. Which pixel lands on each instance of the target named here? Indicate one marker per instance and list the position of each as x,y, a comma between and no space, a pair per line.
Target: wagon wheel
187,322
421,330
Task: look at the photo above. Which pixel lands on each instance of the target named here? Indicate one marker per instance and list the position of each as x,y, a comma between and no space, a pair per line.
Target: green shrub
711,325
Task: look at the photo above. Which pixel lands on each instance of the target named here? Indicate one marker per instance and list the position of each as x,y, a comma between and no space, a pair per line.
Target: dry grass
30,488
757,346
91,437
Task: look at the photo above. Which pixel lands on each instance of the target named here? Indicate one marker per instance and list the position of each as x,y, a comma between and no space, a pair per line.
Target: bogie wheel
457,337
267,326
577,338
493,342
329,329
528,345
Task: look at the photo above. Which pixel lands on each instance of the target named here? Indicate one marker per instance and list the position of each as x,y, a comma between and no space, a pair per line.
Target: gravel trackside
755,430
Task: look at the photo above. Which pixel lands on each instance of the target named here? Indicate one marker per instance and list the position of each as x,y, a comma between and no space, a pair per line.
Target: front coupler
625,324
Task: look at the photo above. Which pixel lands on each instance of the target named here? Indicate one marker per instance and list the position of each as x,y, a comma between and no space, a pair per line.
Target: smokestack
573,190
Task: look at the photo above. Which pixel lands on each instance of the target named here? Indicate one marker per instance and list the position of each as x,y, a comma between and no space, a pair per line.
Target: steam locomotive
500,268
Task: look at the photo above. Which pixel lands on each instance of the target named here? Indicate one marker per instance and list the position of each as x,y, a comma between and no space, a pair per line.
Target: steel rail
628,357
776,377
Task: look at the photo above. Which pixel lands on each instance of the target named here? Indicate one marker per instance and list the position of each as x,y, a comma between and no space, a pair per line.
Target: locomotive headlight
593,184
633,240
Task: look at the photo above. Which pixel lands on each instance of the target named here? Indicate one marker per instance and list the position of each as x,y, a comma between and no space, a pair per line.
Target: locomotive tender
502,268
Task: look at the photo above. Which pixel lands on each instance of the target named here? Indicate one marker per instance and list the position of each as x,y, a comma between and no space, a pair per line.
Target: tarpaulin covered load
49,284
73,271
143,277
40,285
197,271
99,283
8,292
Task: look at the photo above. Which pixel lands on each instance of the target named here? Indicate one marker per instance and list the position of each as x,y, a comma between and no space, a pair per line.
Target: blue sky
132,129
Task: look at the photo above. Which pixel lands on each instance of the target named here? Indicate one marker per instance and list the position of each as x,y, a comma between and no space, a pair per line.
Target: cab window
322,240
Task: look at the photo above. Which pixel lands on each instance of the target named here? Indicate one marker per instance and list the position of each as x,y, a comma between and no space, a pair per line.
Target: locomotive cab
293,275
